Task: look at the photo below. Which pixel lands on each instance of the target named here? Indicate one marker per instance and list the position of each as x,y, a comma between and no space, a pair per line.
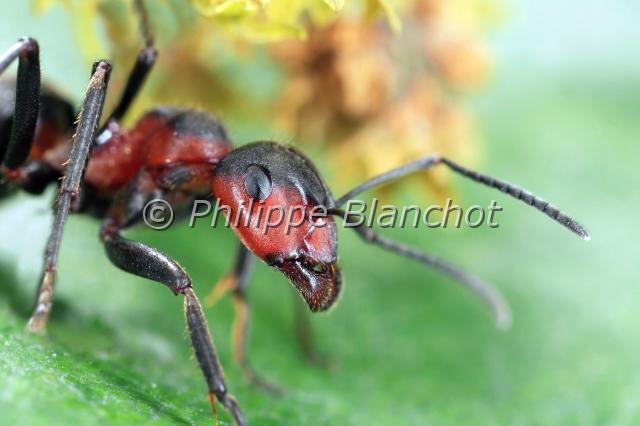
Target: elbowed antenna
490,296
508,188
525,196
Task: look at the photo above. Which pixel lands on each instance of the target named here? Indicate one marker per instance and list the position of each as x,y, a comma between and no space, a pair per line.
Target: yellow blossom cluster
375,83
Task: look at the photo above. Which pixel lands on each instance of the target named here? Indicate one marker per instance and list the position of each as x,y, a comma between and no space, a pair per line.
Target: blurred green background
561,117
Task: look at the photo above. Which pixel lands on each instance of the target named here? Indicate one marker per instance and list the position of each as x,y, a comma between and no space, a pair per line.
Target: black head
267,181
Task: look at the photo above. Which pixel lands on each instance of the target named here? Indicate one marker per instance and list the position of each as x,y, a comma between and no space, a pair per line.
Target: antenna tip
504,321
502,312
573,226
581,231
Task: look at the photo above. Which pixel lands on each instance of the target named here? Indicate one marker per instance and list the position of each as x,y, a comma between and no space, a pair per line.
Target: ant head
273,198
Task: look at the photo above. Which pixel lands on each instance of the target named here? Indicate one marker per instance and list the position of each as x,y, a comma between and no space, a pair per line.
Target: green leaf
117,352
408,345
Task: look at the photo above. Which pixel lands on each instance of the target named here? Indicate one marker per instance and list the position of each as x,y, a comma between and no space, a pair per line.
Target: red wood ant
179,155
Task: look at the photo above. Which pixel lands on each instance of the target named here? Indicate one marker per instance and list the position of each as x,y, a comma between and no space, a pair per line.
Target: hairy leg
147,262
69,188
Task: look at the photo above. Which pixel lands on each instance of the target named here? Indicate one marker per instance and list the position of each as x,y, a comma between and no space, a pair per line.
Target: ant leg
137,76
141,69
304,333
145,26
147,262
14,152
484,291
207,357
503,186
35,176
237,278
69,188
237,281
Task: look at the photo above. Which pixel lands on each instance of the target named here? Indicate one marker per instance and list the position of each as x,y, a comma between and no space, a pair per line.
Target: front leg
147,262
207,358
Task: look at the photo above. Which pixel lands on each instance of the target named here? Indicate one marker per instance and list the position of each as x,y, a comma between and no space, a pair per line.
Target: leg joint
28,46
181,285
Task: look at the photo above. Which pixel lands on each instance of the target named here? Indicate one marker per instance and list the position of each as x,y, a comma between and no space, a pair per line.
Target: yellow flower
376,83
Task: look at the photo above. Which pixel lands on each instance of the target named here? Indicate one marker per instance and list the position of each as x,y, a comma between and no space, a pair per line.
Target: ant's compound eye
257,182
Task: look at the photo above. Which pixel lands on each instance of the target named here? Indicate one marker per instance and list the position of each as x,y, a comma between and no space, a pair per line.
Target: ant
179,155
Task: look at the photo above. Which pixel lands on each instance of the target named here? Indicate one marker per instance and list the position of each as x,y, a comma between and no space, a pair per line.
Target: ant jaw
318,282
